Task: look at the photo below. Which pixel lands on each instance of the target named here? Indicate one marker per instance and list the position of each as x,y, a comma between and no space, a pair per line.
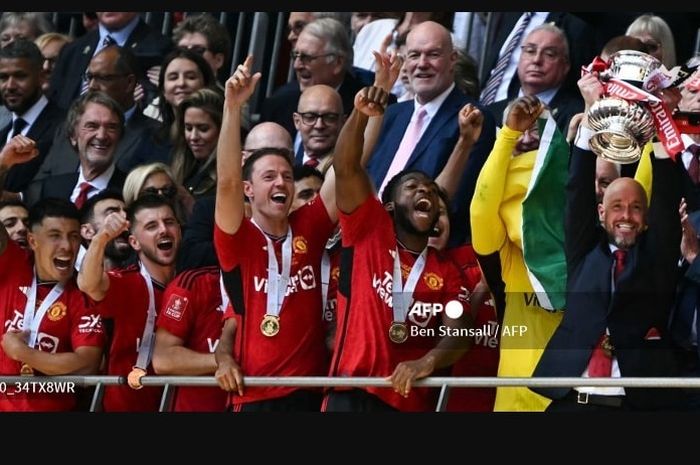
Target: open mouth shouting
279,198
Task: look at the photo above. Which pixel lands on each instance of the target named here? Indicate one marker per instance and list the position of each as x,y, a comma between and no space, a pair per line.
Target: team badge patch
176,307
300,244
433,281
57,311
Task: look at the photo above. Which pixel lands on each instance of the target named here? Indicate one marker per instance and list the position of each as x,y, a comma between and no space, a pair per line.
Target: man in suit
113,70
33,115
318,119
582,47
322,55
125,29
97,123
542,70
421,133
621,283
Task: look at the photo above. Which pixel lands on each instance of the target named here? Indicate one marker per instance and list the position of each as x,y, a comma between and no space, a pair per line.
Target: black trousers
302,400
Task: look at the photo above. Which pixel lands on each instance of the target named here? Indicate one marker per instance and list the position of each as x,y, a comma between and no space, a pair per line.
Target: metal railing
7,383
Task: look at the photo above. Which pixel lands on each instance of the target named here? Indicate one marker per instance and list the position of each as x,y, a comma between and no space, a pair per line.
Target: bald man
318,119
432,116
621,284
197,242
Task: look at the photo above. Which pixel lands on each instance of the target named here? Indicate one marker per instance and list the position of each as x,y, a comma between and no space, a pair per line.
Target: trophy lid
632,66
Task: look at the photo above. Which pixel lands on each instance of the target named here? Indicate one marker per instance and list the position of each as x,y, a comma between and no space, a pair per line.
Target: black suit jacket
198,238
42,132
643,296
149,46
282,104
563,105
582,47
61,186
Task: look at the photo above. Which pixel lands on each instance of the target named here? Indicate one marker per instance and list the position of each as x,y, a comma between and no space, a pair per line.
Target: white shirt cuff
583,135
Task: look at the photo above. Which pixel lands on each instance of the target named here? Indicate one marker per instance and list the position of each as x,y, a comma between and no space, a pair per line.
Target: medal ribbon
33,316
325,279
147,339
224,295
277,282
401,296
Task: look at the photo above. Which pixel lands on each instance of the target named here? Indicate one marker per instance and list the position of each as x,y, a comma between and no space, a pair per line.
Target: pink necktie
408,144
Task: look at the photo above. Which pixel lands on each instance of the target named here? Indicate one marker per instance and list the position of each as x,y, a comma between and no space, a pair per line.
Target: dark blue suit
637,312
434,149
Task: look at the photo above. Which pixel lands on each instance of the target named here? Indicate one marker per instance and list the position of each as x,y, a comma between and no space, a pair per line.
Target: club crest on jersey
433,281
300,245
176,307
57,311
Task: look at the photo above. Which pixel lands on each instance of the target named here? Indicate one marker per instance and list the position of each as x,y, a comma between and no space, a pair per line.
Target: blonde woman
657,36
157,178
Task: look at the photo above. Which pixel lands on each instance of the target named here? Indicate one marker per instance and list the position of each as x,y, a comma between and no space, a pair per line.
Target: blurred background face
297,21
197,42
159,183
654,46
305,190
543,64
201,132
530,140
21,30
115,20
441,234
14,219
315,65
182,79
50,53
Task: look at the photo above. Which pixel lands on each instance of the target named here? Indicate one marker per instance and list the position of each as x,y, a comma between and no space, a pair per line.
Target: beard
402,220
622,242
118,253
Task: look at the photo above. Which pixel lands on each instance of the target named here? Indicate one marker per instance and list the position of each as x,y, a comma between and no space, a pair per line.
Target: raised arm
229,211
19,149
470,122
92,278
488,229
353,185
388,67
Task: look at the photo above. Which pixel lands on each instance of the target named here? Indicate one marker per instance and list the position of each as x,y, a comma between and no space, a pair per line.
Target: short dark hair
144,202
262,152
77,109
13,203
87,212
126,63
306,171
23,49
390,189
52,208
216,33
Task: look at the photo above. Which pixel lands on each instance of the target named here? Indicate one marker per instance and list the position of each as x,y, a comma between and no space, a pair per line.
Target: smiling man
271,264
33,115
95,124
131,296
47,327
386,266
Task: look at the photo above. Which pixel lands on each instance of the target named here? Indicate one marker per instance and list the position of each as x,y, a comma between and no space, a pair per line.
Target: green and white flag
543,216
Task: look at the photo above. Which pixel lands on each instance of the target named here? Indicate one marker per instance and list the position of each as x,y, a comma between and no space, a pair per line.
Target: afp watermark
422,312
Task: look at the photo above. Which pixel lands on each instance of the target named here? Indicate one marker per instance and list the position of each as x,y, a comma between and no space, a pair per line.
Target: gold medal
270,325
134,378
398,332
26,370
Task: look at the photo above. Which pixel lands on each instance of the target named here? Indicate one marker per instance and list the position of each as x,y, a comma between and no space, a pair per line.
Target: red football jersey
482,358
362,344
69,323
298,348
192,311
126,303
